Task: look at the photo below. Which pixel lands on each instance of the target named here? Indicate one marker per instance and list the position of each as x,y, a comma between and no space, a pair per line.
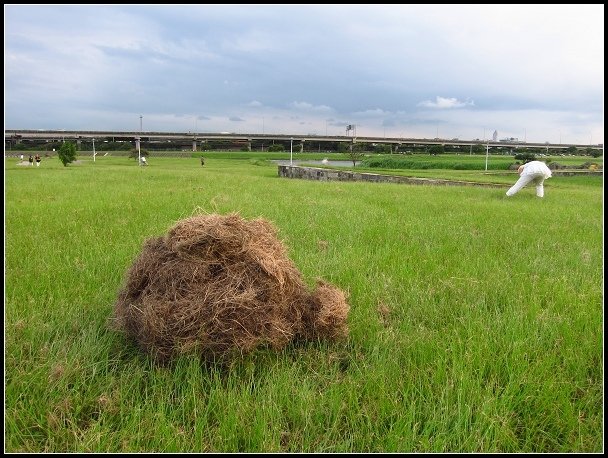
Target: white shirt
536,168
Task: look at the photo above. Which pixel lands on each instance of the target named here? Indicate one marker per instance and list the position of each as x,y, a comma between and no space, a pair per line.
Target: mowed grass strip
475,322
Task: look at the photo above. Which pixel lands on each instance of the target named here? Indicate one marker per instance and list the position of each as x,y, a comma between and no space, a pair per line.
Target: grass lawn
476,321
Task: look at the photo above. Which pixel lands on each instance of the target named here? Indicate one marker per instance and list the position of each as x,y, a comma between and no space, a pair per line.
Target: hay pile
221,286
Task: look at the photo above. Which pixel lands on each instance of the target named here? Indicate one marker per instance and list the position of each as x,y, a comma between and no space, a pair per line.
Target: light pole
139,142
487,152
291,153
93,150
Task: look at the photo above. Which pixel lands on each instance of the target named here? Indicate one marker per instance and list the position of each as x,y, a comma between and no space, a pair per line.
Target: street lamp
291,153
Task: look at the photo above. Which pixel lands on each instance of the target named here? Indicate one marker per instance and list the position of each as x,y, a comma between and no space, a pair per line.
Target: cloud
445,102
376,112
279,67
305,106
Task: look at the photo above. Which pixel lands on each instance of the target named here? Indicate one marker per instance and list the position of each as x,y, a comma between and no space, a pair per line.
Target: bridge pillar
193,145
248,144
78,144
397,147
302,147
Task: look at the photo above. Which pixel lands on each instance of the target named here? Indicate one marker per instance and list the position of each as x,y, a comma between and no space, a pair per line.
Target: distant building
495,136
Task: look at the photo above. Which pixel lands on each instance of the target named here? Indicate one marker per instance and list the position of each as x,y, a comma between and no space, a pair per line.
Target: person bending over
535,172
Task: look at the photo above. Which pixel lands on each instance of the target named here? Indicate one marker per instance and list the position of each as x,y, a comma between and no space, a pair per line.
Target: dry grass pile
221,286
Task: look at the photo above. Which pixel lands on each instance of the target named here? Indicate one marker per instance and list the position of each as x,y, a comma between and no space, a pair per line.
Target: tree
383,148
436,149
355,152
135,154
525,156
478,149
595,152
67,153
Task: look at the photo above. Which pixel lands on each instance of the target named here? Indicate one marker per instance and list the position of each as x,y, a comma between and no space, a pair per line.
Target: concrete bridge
14,136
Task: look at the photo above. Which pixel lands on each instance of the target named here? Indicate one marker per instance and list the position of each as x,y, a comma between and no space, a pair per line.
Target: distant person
38,160
31,160
21,158
143,160
202,161
535,172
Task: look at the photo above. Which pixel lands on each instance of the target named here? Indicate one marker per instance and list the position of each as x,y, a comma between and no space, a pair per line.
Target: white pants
538,179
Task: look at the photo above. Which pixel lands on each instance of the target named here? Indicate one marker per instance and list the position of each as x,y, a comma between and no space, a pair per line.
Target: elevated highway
13,136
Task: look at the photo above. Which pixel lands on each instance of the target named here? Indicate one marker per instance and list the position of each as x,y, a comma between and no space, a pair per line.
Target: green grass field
476,321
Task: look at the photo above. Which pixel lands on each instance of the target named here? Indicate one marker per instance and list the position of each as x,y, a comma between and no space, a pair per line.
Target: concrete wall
313,173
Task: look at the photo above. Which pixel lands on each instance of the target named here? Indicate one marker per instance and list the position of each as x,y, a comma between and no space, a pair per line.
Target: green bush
67,153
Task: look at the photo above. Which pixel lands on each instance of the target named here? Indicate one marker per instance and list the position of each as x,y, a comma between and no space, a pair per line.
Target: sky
530,72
